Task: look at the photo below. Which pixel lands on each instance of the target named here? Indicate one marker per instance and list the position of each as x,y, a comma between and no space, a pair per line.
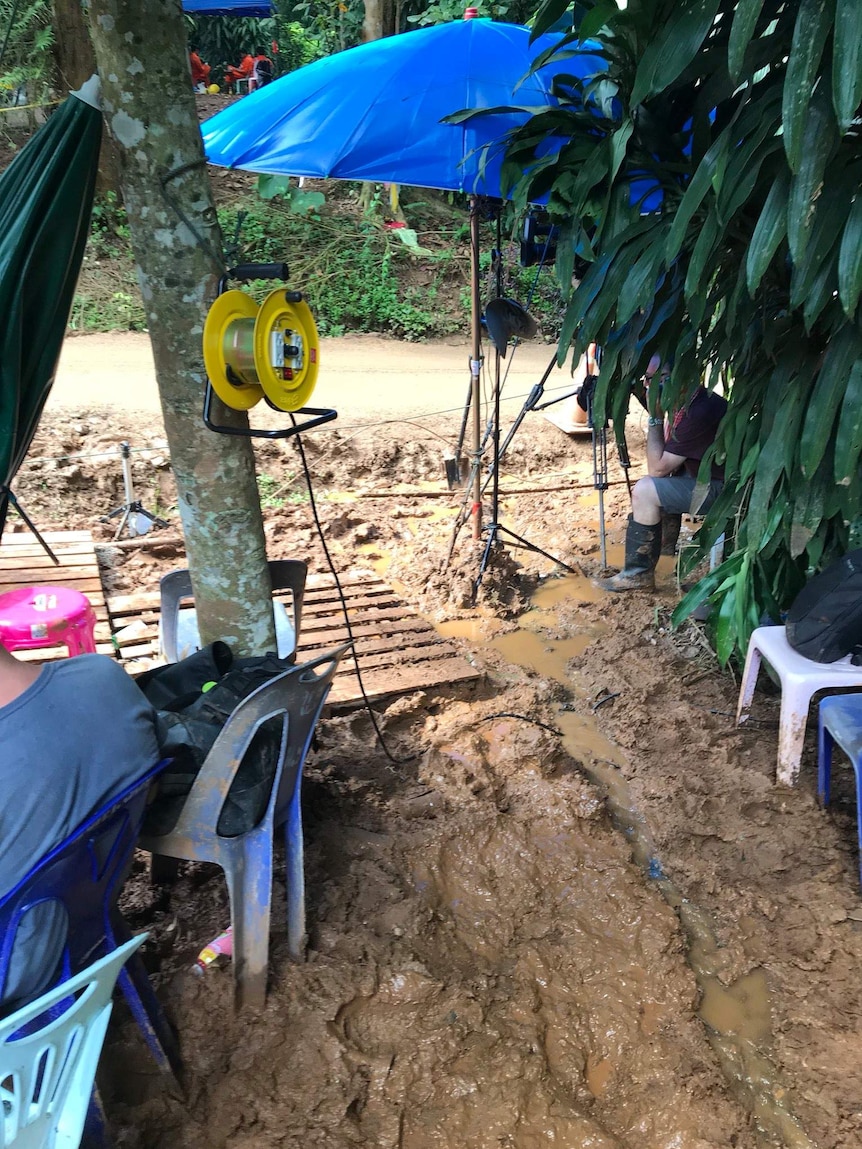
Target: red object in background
394,224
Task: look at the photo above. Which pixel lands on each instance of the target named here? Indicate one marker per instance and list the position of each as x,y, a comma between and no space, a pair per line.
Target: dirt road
360,375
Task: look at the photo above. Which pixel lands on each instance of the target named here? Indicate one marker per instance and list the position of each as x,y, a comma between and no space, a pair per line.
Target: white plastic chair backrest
46,1077
179,635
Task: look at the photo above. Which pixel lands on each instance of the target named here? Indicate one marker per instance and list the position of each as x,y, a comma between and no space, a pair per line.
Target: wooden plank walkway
398,650
23,562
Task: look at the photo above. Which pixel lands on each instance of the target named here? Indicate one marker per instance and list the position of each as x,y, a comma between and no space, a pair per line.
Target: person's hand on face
653,386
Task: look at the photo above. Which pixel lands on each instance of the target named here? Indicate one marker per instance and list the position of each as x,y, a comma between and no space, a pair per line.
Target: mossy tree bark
75,62
73,52
150,112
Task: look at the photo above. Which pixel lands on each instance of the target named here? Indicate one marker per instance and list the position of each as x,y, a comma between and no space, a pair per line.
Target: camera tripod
495,531
133,514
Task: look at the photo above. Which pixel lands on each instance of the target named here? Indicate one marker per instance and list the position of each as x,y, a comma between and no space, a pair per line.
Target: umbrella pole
475,363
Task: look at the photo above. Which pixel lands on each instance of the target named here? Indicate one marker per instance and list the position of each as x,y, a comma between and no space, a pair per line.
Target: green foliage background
749,273
26,37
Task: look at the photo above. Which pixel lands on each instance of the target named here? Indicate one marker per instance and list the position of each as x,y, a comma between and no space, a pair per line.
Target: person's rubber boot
643,544
670,528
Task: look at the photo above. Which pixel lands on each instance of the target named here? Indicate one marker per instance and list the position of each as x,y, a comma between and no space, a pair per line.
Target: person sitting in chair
72,734
244,71
670,489
200,71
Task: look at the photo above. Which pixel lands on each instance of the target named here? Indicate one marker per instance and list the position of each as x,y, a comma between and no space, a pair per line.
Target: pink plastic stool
38,616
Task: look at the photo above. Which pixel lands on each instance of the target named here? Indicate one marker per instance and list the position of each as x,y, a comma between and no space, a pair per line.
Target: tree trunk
75,62
74,57
379,20
150,112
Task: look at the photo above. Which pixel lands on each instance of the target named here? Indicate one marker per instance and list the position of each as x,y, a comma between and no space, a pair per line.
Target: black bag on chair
194,699
825,621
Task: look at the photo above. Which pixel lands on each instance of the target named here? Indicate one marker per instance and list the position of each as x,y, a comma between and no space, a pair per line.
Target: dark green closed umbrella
46,195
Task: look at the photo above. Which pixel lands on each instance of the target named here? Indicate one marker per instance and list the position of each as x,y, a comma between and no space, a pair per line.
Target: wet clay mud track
613,932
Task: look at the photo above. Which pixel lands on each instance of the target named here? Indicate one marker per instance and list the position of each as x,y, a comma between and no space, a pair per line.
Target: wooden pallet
398,650
23,562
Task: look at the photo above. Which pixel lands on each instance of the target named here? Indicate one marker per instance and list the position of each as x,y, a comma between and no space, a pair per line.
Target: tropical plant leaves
742,29
770,230
850,259
847,62
730,123
809,38
848,437
674,47
842,354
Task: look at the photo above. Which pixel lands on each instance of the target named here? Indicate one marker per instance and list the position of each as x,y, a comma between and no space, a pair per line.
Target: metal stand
600,473
495,530
13,502
132,510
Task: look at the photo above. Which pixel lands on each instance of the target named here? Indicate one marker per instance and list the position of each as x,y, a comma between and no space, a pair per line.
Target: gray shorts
683,495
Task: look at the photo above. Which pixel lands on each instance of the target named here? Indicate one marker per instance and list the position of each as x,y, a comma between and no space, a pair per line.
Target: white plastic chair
46,1076
800,680
178,624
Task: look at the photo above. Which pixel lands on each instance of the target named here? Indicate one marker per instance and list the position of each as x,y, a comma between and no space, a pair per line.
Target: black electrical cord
307,473
524,718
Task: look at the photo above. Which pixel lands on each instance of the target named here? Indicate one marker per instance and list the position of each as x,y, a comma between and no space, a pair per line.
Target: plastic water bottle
222,946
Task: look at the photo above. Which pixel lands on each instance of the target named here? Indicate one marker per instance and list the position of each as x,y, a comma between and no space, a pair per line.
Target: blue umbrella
227,7
374,112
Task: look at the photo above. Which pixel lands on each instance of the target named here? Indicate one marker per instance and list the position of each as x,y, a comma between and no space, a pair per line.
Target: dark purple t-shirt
694,429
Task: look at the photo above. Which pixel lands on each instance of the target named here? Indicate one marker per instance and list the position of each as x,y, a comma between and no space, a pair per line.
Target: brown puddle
574,587
740,1009
581,735
548,657
471,629
378,560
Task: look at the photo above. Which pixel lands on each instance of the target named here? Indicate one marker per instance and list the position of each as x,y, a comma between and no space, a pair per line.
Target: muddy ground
574,911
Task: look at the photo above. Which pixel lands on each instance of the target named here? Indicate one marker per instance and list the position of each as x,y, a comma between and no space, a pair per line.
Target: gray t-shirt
80,734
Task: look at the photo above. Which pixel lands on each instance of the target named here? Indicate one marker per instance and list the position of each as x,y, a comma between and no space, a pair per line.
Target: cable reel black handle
245,271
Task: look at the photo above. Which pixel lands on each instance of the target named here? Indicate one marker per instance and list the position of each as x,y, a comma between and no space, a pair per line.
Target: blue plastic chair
296,698
49,1051
840,721
84,875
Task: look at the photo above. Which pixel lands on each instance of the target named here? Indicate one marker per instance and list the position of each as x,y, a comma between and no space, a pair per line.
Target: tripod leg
123,520
493,530
520,541
14,503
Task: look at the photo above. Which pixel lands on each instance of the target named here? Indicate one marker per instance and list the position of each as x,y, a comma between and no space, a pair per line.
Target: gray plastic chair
179,635
296,697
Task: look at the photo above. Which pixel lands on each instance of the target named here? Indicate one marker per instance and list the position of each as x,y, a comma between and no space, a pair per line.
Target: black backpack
193,699
825,621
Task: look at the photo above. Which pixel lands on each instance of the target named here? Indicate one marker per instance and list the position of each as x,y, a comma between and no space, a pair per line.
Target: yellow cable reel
229,350
286,350
252,351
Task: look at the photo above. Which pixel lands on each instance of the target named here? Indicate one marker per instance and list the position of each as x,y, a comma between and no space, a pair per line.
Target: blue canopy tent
227,7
